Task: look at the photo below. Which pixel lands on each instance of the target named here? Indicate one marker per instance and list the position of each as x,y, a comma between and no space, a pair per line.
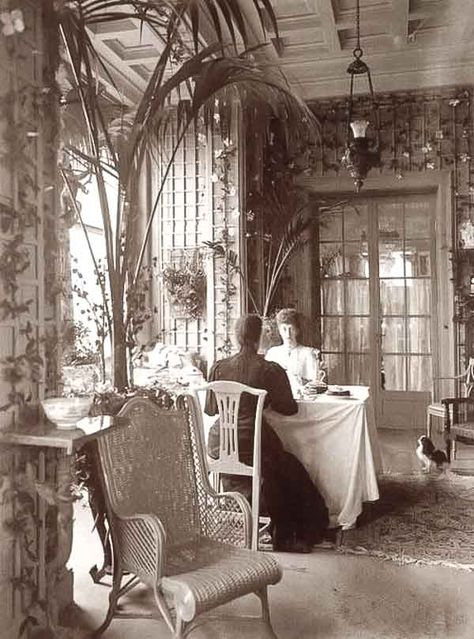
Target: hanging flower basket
185,284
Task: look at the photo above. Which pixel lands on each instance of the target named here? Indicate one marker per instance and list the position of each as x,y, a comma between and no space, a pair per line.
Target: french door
377,300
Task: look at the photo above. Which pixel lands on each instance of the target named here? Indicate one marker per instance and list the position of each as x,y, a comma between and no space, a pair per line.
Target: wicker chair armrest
139,545
231,518
239,500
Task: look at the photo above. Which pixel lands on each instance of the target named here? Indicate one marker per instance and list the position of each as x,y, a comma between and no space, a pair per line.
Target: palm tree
191,79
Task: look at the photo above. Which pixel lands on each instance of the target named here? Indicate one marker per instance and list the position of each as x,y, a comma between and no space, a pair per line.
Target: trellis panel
196,206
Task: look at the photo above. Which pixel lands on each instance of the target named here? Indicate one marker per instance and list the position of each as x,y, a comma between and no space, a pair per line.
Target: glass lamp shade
359,128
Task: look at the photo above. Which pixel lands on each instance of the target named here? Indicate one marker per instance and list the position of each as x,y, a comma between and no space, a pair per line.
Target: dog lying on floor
429,456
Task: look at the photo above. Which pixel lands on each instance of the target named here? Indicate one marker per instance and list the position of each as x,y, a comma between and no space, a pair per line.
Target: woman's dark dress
293,502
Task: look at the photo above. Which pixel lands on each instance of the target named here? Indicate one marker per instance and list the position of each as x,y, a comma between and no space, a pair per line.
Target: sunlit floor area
322,595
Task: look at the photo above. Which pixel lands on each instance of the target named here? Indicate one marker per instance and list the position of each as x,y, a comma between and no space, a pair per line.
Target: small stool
433,410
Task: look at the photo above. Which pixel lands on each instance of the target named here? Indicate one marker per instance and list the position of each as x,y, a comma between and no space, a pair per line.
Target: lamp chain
358,51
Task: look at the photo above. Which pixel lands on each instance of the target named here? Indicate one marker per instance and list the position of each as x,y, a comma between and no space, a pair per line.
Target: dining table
335,438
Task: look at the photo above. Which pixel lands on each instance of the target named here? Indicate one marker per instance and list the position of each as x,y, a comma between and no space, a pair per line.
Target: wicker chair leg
263,596
113,598
165,613
179,629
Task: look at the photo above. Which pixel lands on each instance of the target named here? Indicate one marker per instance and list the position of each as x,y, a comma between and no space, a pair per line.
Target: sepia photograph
236,319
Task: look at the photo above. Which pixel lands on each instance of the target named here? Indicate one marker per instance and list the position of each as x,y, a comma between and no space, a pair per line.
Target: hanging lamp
361,153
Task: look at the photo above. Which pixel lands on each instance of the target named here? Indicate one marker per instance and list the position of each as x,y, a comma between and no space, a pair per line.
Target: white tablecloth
336,440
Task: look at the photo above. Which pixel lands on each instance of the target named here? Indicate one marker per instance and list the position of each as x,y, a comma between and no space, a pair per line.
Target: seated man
301,363
298,513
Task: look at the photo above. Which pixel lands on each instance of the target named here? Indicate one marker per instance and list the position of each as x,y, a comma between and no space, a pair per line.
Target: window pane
358,334
357,299
391,260
332,333
332,300
356,259
417,220
331,227
419,339
358,370
417,258
390,220
419,297
392,297
393,335
335,368
356,222
330,259
419,373
394,372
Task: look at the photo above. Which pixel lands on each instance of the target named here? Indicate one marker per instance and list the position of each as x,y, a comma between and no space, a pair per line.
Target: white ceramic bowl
65,412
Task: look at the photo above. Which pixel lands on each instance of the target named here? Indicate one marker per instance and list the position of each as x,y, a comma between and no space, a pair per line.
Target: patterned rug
421,519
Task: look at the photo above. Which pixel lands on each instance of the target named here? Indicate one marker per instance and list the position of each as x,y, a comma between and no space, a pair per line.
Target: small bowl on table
65,412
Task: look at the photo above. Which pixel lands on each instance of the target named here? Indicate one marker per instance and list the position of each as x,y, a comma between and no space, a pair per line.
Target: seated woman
301,363
298,513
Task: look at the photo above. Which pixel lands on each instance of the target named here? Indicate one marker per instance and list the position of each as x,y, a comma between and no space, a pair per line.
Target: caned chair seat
170,530
217,573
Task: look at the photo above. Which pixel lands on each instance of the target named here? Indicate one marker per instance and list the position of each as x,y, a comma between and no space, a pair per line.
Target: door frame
409,407
445,366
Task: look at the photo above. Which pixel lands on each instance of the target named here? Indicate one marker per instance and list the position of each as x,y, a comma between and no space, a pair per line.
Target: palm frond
193,79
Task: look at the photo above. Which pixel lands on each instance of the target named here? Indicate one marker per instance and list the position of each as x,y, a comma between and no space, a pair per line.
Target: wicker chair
228,396
170,530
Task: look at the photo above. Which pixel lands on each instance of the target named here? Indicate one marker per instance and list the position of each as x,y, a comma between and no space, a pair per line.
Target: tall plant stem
155,206
94,142
270,283
276,276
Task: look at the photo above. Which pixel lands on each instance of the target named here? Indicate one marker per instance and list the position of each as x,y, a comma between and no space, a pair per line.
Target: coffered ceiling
408,44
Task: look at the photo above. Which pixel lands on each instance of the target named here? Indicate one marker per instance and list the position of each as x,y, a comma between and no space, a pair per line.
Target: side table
433,410
43,457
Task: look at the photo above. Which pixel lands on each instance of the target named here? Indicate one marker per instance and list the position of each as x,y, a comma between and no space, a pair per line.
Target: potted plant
115,138
185,283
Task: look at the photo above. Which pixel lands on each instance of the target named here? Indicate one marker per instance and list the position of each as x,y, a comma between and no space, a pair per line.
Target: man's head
248,330
289,325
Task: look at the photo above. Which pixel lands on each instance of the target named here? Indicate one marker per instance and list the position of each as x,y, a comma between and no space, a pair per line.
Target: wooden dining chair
228,395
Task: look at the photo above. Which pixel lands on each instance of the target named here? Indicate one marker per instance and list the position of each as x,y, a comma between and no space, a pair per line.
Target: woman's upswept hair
248,329
289,316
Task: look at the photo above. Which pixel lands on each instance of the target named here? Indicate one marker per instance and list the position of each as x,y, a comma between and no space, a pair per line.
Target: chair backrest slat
228,395
228,405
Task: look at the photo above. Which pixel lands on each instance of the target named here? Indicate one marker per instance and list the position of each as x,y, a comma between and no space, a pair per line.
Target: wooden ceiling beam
371,15
399,22
328,18
130,83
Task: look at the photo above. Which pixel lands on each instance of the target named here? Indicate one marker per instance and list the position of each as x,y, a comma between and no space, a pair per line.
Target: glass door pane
404,262
345,296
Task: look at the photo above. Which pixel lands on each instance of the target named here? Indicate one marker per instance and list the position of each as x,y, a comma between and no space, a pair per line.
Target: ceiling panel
407,44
